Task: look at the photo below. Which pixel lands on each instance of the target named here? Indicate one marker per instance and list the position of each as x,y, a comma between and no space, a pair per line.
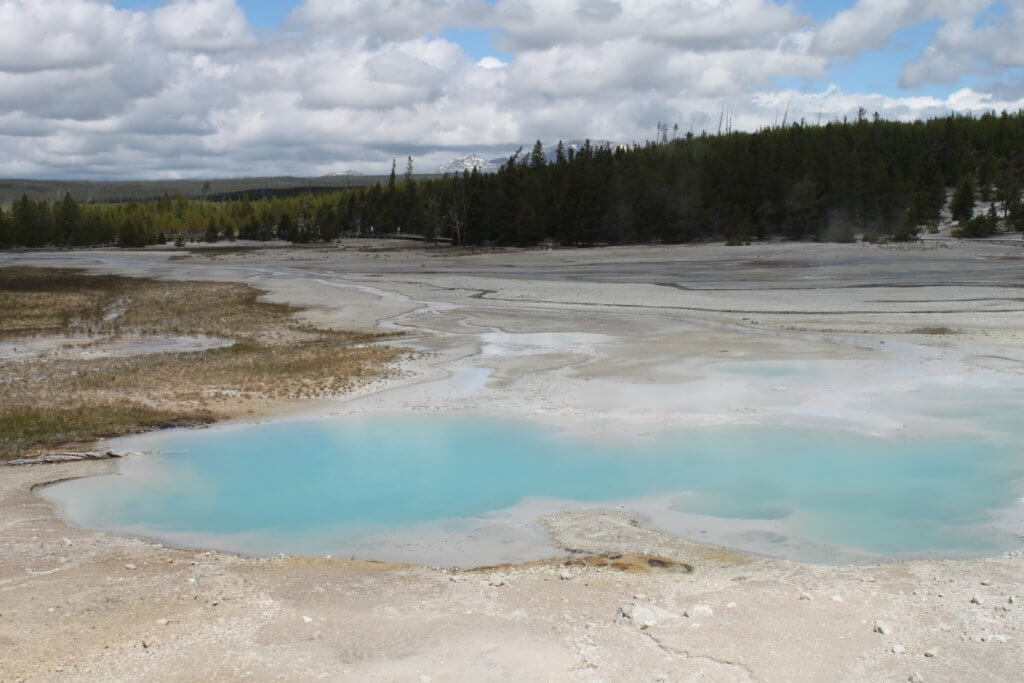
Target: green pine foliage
869,178
962,206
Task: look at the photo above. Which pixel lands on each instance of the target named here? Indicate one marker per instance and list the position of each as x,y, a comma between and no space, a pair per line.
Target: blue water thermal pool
378,487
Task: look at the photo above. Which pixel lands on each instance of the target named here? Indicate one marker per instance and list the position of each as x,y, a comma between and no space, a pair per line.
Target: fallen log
65,456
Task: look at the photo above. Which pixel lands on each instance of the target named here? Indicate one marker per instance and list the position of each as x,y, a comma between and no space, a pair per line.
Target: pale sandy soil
617,342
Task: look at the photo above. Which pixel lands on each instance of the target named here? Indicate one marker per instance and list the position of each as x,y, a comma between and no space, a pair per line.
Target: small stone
699,610
730,605
883,628
424,678
496,580
308,620
915,677
931,652
565,575
642,616
162,622
976,600
1012,600
130,566
898,649
806,596
999,638
837,598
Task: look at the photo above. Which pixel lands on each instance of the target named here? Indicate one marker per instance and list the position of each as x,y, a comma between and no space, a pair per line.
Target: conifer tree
962,206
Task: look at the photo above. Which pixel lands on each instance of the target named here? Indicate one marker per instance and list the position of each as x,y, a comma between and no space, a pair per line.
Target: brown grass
936,330
61,397
630,563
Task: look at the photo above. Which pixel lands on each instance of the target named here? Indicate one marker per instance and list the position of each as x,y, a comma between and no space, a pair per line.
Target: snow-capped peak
468,163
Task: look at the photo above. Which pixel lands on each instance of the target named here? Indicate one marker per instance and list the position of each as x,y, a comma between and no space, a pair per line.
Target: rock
837,598
565,575
915,677
162,622
496,580
931,652
883,628
130,566
806,596
1012,600
424,678
985,582
898,649
308,620
699,610
642,615
730,605
977,600
997,638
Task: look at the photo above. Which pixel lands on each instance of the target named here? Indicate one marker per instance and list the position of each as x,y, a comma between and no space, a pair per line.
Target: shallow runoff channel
467,490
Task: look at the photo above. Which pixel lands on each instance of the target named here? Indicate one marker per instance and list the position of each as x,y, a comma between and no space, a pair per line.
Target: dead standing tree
434,212
457,210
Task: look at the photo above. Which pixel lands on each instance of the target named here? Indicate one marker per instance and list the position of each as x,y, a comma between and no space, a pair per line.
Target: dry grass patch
55,397
935,330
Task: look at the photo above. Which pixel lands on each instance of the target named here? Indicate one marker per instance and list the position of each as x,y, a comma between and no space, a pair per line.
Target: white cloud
706,24
39,35
869,24
189,89
960,47
386,20
490,62
202,25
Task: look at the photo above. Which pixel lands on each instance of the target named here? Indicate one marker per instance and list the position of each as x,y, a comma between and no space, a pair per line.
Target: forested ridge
870,177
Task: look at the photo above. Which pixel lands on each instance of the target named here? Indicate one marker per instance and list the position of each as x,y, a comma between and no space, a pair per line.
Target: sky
101,89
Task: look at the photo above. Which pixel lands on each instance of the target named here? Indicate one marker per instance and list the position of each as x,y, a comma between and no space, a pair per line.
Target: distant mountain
342,173
468,163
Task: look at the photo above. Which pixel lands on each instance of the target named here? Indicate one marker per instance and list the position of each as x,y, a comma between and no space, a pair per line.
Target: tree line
876,178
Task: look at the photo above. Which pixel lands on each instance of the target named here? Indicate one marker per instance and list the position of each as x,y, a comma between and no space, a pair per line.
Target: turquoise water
325,486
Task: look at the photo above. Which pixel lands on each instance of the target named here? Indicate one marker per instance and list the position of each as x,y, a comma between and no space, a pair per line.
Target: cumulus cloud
491,62
189,89
869,24
202,25
387,20
709,24
961,47
40,35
